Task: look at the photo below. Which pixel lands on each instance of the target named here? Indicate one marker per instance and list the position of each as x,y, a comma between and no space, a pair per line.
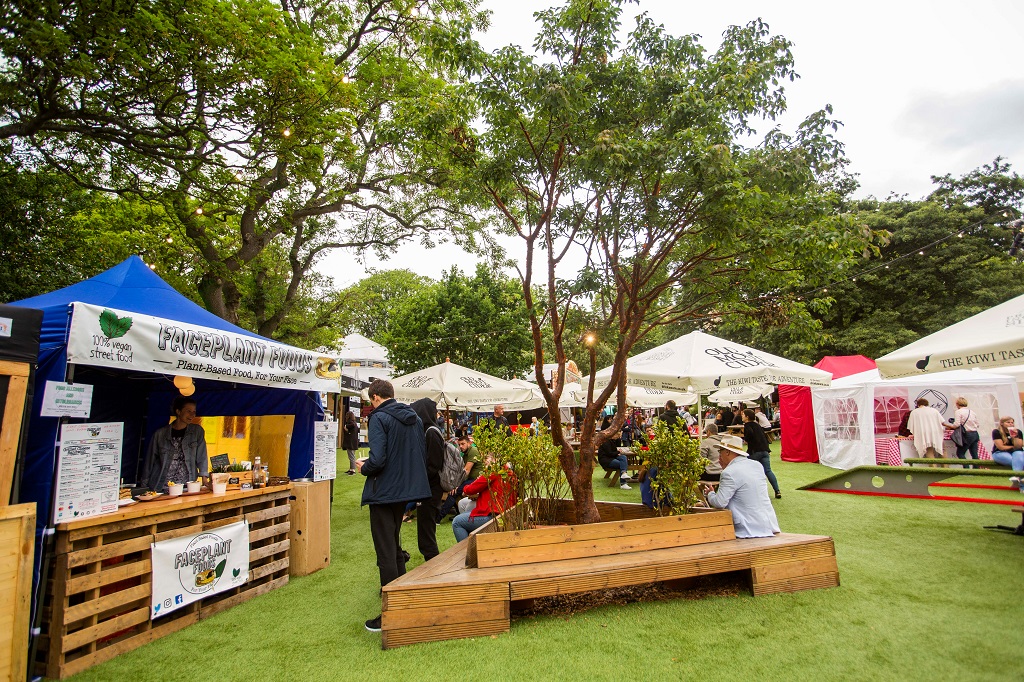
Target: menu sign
88,470
325,451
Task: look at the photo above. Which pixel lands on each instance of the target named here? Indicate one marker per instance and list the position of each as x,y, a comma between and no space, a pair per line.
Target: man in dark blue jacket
396,473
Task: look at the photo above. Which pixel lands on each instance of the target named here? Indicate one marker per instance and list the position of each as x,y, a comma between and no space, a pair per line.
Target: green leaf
114,327
220,567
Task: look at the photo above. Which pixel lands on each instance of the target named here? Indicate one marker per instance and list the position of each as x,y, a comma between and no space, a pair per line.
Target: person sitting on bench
609,458
1007,446
762,420
743,490
495,493
709,447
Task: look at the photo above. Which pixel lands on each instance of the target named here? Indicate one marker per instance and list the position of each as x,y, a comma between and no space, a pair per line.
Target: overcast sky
923,88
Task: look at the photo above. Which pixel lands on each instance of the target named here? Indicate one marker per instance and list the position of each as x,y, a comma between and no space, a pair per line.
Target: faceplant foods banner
107,337
189,568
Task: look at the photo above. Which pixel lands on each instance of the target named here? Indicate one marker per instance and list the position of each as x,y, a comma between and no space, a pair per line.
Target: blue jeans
464,524
971,439
1013,459
764,459
620,463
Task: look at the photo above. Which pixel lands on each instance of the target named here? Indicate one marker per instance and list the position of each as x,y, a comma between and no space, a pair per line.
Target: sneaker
778,496
624,487
351,472
624,478
373,625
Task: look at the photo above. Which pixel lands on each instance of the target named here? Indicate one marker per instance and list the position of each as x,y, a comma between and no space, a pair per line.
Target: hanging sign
107,337
188,568
325,451
88,470
66,400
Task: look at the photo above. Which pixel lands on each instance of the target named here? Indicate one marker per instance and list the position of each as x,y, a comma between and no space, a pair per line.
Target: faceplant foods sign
124,340
186,569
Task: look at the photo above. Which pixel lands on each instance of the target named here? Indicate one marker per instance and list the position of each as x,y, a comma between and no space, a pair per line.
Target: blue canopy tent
142,399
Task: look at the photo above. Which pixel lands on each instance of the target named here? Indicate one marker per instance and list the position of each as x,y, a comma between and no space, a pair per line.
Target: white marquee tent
991,339
855,410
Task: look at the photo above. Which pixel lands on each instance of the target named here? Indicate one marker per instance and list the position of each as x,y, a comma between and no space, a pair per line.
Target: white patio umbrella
455,386
735,394
703,363
993,338
636,396
534,402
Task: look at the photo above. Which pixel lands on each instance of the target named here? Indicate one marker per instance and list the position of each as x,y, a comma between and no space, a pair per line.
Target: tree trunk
581,484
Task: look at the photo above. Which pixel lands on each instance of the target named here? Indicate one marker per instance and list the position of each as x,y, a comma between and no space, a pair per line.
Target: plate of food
149,497
125,501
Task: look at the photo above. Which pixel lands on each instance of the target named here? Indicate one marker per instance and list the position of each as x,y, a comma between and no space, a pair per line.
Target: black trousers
386,531
426,530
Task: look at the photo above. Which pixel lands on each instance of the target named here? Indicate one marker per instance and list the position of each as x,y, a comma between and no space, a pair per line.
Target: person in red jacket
496,494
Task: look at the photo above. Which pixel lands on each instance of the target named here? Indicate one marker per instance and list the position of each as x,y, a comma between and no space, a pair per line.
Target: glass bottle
257,472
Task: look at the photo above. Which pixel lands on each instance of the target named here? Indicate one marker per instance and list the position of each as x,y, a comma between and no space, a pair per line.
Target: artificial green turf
927,594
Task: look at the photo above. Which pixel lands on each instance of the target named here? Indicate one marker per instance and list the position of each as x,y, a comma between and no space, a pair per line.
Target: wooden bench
467,591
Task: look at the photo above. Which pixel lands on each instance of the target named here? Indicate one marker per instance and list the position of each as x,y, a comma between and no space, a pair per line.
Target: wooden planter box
467,591
490,547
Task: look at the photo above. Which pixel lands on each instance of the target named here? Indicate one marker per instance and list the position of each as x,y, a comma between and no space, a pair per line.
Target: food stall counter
101,586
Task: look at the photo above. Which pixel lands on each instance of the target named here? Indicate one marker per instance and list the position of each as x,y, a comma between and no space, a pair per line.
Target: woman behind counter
177,452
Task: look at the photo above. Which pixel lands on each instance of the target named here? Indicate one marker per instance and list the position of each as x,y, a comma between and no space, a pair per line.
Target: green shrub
679,467
537,476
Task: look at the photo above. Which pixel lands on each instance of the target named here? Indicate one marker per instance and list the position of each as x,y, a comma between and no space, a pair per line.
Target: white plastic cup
193,486
219,488
175,490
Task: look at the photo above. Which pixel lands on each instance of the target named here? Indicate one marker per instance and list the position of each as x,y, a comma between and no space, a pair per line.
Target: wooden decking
446,599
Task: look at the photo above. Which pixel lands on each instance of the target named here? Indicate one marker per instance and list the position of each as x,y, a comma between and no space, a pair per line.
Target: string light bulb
287,132
199,211
345,78
181,381
170,240
187,391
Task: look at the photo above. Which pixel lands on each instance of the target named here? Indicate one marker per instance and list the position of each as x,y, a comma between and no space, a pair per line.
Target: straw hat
733,444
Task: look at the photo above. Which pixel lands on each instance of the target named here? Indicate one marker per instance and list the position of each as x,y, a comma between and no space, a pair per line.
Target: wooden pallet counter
98,594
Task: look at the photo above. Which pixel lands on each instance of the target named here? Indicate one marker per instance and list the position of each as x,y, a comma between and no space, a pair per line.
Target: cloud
970,122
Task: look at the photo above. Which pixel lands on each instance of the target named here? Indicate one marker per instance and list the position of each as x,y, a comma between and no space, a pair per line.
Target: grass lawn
927,594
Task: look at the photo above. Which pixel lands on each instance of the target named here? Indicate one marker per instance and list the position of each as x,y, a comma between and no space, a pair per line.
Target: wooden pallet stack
98,594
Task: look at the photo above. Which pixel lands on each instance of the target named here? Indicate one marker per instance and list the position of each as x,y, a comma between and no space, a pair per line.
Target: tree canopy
946,259
479,322
266,134
632,154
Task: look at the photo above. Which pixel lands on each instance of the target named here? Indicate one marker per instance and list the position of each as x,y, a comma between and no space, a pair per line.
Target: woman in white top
966,418
926,424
